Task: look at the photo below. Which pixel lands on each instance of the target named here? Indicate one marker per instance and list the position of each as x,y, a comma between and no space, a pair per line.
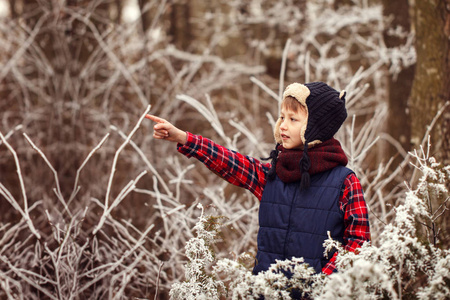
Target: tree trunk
146,18
398,122
13,8
430,87
446,92
339,3
180,26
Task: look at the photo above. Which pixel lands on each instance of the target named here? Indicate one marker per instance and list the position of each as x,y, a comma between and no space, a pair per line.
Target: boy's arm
240,170
356,219
237,169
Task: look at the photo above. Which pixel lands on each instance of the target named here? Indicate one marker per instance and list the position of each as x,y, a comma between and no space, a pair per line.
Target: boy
306,190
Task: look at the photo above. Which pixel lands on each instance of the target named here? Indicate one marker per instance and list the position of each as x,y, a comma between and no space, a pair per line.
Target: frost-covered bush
402,266
199,284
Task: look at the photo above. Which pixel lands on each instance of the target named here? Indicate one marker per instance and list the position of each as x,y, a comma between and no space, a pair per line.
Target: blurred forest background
92,207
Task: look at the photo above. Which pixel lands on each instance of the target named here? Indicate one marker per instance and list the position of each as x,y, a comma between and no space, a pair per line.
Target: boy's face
291,126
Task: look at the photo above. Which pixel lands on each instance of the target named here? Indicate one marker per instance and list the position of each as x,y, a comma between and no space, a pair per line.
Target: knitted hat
325,109
326,112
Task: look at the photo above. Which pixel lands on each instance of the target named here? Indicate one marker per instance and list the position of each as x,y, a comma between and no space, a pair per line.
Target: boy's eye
293,120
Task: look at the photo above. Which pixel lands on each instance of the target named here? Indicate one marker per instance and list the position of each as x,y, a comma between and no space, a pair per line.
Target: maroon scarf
324,156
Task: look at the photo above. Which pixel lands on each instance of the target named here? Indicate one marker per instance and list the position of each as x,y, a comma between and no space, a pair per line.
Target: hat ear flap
276,132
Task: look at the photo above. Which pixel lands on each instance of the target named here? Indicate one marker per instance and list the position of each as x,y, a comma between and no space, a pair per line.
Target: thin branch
55,174
157,280
114,265
22,187
265,88
144,158
113,170
123,69
24,46
283,72
433,122
20,273
75,185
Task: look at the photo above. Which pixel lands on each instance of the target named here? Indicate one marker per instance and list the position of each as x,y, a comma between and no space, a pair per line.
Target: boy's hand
164,130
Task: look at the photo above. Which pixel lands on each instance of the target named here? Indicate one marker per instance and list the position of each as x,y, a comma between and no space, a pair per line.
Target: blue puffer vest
295,223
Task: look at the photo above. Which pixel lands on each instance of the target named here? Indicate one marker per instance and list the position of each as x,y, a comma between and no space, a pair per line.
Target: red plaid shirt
250,173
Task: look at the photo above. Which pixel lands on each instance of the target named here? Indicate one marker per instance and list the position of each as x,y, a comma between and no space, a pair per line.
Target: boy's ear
276,132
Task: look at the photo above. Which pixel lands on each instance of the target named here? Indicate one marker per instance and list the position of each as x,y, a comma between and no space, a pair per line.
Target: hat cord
305,164
274,156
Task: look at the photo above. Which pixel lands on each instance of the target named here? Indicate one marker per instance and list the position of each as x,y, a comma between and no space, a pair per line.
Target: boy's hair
292,104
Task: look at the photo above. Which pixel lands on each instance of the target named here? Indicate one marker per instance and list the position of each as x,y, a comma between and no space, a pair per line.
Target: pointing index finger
155,119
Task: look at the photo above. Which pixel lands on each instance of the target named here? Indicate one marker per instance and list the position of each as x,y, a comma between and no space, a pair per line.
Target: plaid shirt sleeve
356,219
237,169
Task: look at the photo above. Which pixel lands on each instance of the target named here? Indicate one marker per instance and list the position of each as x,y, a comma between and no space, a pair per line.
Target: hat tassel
274,156
305,164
